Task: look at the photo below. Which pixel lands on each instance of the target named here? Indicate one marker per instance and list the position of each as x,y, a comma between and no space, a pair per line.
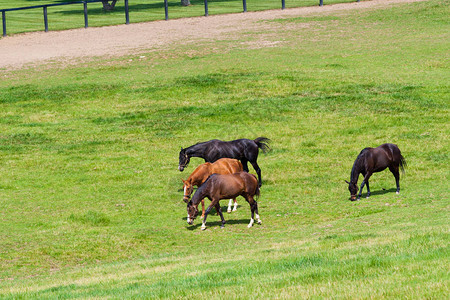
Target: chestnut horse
371,160
218,187
201,173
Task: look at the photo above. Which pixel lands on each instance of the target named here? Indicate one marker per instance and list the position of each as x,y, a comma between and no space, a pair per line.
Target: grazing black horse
372,160
244,150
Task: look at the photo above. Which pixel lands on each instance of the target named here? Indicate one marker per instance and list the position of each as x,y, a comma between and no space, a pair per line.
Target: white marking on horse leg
203,226
397,193
251,223
235,206
188,219
229,206
258,219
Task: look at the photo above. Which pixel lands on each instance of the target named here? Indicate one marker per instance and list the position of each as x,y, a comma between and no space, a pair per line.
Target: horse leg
360,189
219,209
395,172
365,180
252,209
206,215
368,189
229,206
235,205
258,171
258,220
245,165
203,209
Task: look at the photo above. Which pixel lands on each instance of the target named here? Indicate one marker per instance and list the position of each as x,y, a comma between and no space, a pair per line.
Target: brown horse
222,166
218,187
372,160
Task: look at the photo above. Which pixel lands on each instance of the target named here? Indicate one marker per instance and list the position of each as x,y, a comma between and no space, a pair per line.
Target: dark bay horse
218,187
244,150
372,160
201,173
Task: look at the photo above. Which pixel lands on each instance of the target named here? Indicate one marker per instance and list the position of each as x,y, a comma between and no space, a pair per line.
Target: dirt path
39,47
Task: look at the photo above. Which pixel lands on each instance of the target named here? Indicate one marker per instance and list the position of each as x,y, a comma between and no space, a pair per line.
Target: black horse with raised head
371,160
244,150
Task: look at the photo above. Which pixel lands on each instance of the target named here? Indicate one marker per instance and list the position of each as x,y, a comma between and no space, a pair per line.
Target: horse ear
184,181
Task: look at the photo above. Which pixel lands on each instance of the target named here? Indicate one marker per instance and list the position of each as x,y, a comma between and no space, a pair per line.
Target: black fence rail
127,14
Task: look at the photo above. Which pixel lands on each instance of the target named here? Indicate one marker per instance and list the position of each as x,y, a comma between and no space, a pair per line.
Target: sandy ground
38,48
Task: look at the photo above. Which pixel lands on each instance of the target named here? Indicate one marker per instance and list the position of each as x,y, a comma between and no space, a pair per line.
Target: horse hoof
259,222
397,193
249,226
234,209
228,210
203,227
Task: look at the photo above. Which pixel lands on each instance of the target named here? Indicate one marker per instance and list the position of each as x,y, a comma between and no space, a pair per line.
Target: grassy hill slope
91,200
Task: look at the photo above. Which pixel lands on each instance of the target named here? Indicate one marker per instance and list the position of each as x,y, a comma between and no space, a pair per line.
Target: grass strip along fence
45,12
85,11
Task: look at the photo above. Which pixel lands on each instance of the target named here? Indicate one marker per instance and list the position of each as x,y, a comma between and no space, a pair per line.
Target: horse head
353,188
188,188
192,212
183,160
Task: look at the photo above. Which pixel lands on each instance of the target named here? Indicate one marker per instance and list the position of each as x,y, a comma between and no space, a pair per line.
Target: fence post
244,4
206,8
166,9
283,4
127,13
45,19
4,22
85,14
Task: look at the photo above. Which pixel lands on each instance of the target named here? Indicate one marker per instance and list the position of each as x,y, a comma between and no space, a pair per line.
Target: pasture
91,198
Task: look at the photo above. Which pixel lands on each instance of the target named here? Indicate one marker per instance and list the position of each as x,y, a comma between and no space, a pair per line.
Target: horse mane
363,151
198,143
356,165
193,149
199,192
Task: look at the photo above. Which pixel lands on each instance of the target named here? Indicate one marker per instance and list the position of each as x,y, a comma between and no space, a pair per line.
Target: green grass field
71,16
91,199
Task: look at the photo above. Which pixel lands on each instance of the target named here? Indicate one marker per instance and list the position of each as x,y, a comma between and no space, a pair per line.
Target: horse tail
257,189
257,192
397,153
403,164
262,143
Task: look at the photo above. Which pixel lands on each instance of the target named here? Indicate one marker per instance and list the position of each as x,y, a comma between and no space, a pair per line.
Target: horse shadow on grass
213,212
379,192
218,224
